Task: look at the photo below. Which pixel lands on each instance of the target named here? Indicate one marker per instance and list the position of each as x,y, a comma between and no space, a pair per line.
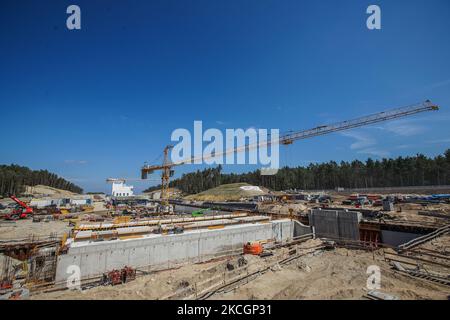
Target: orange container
254,248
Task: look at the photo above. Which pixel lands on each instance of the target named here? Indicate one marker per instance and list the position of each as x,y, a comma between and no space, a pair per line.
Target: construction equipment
6,284
198,213
22,210
116,277
254,248
128,274
359,122
64,211
287,139
121,219
167,172
112,278
87,208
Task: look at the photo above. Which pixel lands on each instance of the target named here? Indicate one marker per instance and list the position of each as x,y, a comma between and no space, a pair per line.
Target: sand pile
229,192
41,191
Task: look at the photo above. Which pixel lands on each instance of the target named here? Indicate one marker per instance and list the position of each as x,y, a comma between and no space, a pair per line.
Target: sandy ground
409,212
25,228
441,244
337,274
228,192
440,251
41,190
153,286
340,274
283,208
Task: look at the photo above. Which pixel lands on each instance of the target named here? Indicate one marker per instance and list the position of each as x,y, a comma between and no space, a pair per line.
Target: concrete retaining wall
300,229
157,252
339,224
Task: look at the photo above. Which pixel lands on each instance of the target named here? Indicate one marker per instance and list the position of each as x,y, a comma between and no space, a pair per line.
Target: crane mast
288,139
167,172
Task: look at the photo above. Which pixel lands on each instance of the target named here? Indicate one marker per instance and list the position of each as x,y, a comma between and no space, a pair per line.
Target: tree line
14,178
417,170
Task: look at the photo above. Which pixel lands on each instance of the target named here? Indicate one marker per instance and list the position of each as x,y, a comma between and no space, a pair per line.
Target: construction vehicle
112,278
116,277
5,284
87,208
287,139
198,213
64,211
21,211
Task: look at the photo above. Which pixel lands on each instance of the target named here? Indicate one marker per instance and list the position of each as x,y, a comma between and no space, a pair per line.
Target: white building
120,189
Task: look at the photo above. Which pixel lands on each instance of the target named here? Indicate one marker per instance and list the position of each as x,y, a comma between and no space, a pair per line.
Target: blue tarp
440,196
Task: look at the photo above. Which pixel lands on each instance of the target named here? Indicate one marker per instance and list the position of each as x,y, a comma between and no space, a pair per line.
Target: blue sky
98,102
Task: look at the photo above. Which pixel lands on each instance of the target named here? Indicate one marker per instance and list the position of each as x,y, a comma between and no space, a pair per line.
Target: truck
21,211
198,213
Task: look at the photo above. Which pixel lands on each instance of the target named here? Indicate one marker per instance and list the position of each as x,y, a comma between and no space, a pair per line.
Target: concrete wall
75,200
339,224
157,252
80,202
396,238
300,229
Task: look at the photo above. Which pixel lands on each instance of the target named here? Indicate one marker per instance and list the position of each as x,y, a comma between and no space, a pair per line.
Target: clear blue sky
98,102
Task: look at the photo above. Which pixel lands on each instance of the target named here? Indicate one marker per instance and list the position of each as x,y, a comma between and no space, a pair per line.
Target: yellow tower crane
167,165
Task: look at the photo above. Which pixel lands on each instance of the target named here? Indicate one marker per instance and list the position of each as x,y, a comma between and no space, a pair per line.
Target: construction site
235,241
216,158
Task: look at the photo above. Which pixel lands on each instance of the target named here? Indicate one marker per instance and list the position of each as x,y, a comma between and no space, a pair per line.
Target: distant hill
231,192
14,179
40,190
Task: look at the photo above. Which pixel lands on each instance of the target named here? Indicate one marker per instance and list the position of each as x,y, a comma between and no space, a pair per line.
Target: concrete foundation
157,252
336,224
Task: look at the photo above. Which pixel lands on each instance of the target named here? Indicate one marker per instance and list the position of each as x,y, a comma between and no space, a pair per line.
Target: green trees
418,170
14,178
198,181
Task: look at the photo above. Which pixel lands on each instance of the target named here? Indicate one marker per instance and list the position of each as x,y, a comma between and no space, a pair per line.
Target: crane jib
359,122
166,167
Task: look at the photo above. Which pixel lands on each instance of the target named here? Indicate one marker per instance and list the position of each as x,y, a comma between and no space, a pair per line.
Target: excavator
22,210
